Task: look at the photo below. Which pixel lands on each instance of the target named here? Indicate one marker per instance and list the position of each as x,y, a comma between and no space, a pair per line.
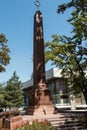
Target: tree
13,94
1,94
70,53
4,53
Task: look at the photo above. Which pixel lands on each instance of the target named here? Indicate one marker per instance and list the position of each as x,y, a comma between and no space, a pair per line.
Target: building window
25,100
58,90
54,88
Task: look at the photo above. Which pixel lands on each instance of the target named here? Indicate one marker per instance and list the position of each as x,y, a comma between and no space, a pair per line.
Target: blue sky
16,22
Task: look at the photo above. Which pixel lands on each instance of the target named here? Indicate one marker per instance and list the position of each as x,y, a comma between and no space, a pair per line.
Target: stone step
62,119
67,122
64,123
72,128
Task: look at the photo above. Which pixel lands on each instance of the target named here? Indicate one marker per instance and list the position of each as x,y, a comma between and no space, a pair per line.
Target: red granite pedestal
42,103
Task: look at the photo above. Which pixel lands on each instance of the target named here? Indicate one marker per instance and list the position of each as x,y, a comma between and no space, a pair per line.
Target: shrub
9,113
36,125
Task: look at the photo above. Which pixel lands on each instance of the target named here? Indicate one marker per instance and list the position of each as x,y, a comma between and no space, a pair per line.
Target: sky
16,22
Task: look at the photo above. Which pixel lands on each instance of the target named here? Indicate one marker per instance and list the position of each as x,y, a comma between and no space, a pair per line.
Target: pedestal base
40,110
42,103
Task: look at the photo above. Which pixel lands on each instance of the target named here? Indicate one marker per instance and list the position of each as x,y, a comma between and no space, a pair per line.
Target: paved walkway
40,117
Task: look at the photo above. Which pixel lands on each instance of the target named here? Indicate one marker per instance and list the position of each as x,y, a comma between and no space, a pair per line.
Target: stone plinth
42,103
40,110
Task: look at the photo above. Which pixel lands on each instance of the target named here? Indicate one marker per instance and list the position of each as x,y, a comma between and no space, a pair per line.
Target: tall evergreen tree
13,93
3,103
1,94
70,53
4,53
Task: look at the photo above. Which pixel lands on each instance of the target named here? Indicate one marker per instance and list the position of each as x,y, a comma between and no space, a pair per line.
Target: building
60,98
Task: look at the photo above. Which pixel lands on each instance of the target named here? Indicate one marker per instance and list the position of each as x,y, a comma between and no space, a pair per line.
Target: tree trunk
85,96
84,91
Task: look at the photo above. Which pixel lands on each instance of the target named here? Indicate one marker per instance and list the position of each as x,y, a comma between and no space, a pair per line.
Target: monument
40,100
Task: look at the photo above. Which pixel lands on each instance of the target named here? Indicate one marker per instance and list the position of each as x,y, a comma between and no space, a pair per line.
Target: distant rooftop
50,74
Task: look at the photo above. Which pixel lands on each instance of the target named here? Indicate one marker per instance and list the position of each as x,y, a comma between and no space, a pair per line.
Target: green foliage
36,125
1,94
70,53
59,51
4,53
79,5
13,96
